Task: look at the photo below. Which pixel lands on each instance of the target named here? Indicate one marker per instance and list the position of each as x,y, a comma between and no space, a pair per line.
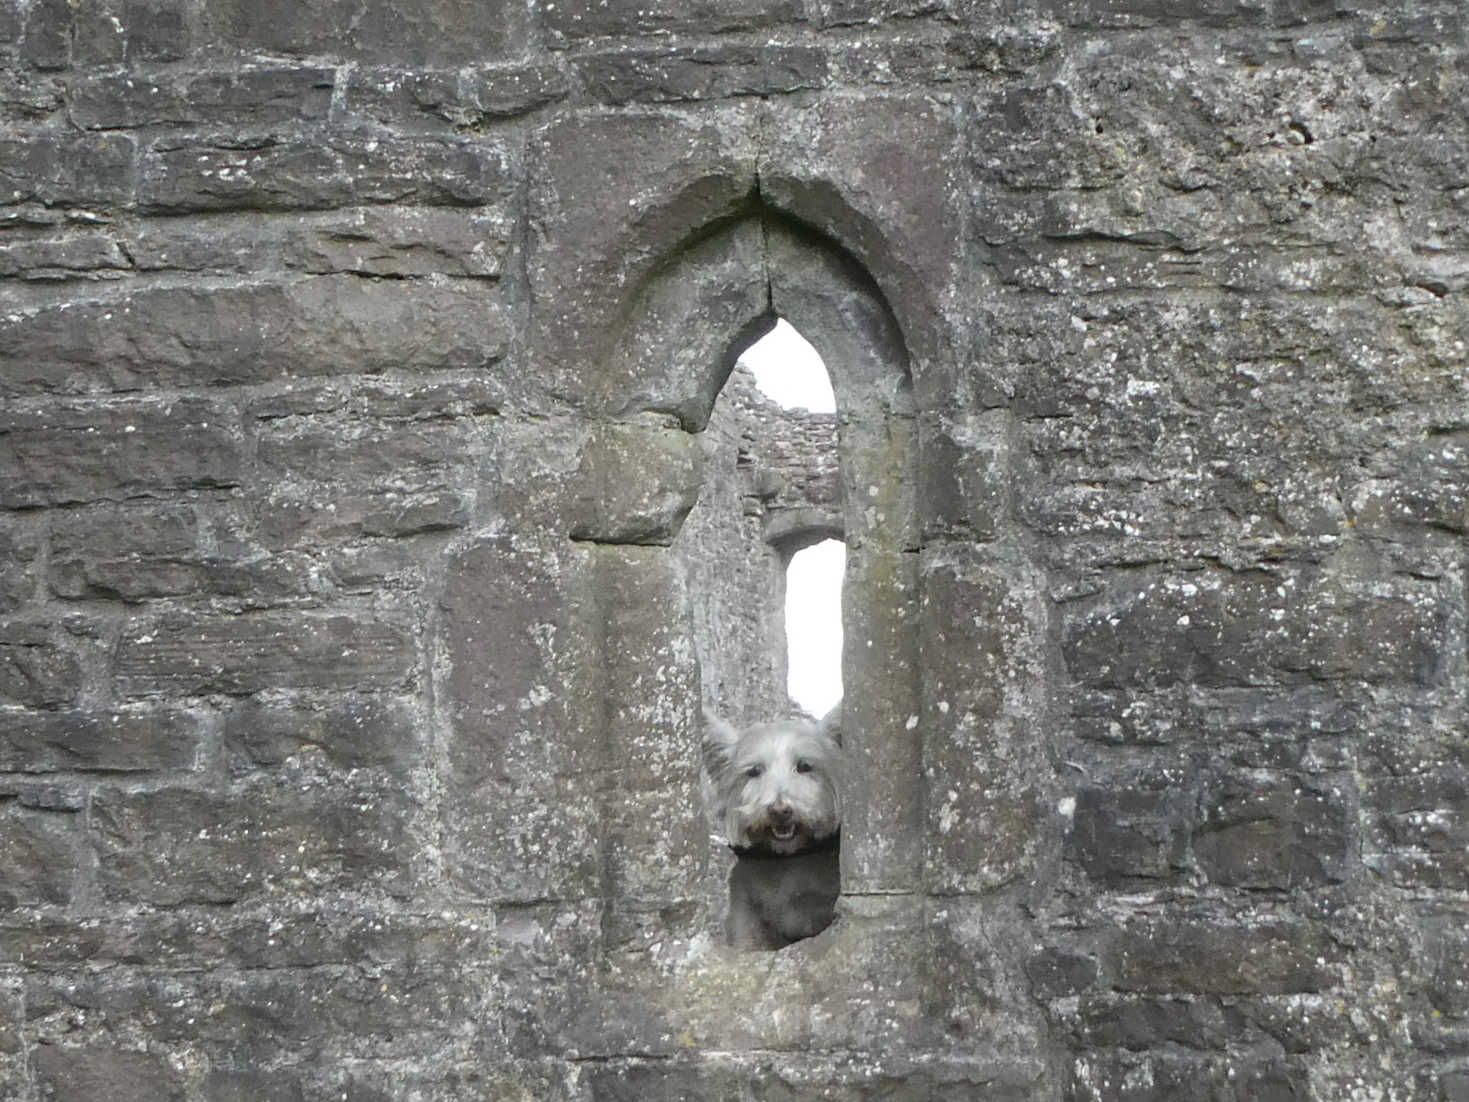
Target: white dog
778,796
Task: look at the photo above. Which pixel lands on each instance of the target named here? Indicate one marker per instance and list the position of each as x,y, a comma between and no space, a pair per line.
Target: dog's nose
781,813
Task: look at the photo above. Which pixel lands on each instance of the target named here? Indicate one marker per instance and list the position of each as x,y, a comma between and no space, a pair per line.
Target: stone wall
354,362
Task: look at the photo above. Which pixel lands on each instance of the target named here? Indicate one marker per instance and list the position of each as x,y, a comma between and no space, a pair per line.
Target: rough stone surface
379,502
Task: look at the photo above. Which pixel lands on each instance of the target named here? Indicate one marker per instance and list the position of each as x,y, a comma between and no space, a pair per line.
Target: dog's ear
831,724
719,742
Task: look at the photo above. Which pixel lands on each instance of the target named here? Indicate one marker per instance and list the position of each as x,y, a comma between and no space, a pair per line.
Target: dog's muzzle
762,851
783,825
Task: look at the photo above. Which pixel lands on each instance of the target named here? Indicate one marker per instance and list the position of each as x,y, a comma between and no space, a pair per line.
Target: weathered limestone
377,507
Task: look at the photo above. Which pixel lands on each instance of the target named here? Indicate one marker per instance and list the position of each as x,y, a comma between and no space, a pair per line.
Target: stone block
437,33
471,1078
28,97
1275,832
671,76
132,553
295,935
1445,960
427,399
27,938
636,484
972,978
351,732
789,1076
813,286
546,952
43,856
1454,1085
164,336
1424,816
395,515
65,257
412,241
603,232
37,669
820,169
1382,505
93,171
240,99
673,347
968,482
122,740
984,765
384,241
12,1014
193,336
19,548
12,22
1222,630
648,1003
1121,832
175,845
1163,1075
46,42
184,176
287,1016
882,828
444,98
1303,1023
1418,485
98,34
497,92
1022,153
1059,973
76,452
590,19
341,324
399,455
394,1010
156,30
1299,727
1143,1022
654,834
64,1073
293,517
524,712
1204,956
220,653
233,1084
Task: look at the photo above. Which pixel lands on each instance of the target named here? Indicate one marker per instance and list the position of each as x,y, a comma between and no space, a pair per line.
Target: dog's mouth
784,832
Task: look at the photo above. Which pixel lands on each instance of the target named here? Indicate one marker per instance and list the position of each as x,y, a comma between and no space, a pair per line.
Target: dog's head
778,785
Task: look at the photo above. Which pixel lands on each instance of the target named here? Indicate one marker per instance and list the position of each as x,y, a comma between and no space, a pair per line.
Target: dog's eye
803,767
754,771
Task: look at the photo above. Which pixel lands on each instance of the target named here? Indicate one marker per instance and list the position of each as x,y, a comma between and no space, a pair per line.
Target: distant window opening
813,622
789,371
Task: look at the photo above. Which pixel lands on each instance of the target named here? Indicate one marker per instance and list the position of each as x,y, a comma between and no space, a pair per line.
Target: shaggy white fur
778,794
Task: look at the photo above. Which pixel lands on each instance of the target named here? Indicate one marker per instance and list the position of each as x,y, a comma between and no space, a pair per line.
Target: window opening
765,564
789,371
813,617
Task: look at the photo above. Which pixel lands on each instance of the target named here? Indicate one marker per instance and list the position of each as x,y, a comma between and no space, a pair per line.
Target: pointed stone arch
579,752
677,346
689,321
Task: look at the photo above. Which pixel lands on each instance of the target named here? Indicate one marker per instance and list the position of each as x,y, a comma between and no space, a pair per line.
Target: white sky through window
814,626
789,371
